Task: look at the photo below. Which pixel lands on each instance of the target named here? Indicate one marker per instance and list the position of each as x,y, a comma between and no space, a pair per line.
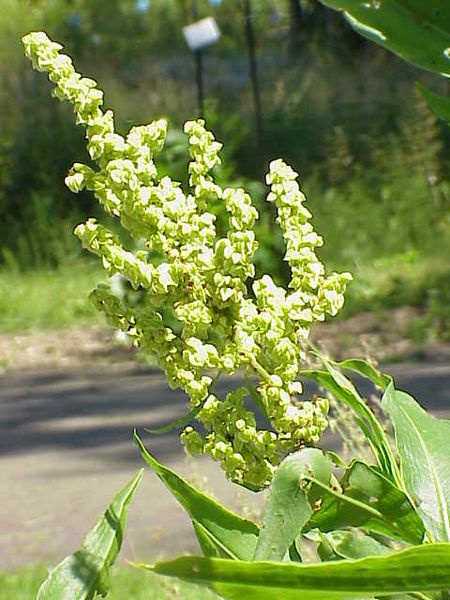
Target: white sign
201,34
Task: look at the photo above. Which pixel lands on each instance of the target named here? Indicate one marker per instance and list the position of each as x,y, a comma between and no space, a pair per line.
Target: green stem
256,397
344,498
258,368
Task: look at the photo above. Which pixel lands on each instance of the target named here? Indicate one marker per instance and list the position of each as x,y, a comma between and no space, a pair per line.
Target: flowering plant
205,314
225,323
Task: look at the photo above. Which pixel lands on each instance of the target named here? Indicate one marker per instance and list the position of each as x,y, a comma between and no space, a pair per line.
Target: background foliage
373,158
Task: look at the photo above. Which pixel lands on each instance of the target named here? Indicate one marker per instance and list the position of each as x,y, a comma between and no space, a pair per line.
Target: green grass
126,583
48,299
399,280
56,299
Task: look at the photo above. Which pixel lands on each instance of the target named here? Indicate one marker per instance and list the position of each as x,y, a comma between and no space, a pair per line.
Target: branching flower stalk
227,321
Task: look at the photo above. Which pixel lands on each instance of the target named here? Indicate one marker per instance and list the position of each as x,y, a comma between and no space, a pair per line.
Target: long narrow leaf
367,370
185,419
181,422
354,402
209,544
235,535
424,447
440,105
83,574
344,390
425,568
256,397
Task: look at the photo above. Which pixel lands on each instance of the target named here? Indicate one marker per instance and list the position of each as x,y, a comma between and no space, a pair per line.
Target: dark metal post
198,67
295,27
247,8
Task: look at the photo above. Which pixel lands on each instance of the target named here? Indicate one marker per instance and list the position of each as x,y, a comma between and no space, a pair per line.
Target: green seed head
201,281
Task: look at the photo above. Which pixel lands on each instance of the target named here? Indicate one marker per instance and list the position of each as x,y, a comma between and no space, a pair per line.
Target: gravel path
65,442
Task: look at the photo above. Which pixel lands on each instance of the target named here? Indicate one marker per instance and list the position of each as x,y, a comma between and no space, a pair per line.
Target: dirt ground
380,336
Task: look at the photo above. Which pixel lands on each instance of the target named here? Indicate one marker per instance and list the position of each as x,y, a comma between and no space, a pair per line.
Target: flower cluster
223,320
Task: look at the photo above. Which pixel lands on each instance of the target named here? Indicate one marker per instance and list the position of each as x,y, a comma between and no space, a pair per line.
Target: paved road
65,448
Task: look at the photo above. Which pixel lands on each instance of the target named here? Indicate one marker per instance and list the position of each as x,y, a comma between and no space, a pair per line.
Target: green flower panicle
223,320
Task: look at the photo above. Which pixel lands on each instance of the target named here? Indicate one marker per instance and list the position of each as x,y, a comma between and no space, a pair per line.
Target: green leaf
207,542
335,459
418,568
185,419
370,501
350,545
366,369
256,397
288,507
83,574
424,447
440,105
231,534
416,30
343,389
181,422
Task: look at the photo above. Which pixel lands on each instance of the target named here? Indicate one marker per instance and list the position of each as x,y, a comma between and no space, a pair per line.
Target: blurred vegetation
45,299
373,160
127,582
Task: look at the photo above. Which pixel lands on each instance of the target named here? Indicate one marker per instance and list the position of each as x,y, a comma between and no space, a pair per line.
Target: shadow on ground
97,409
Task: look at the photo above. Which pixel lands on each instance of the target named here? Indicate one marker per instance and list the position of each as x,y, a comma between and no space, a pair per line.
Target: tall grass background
372,159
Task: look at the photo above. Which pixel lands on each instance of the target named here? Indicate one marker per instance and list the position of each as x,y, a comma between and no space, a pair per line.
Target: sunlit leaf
288,507
366,369
370,501
343,390
416,30
424,447
350,545
86,572
231,534
424,568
